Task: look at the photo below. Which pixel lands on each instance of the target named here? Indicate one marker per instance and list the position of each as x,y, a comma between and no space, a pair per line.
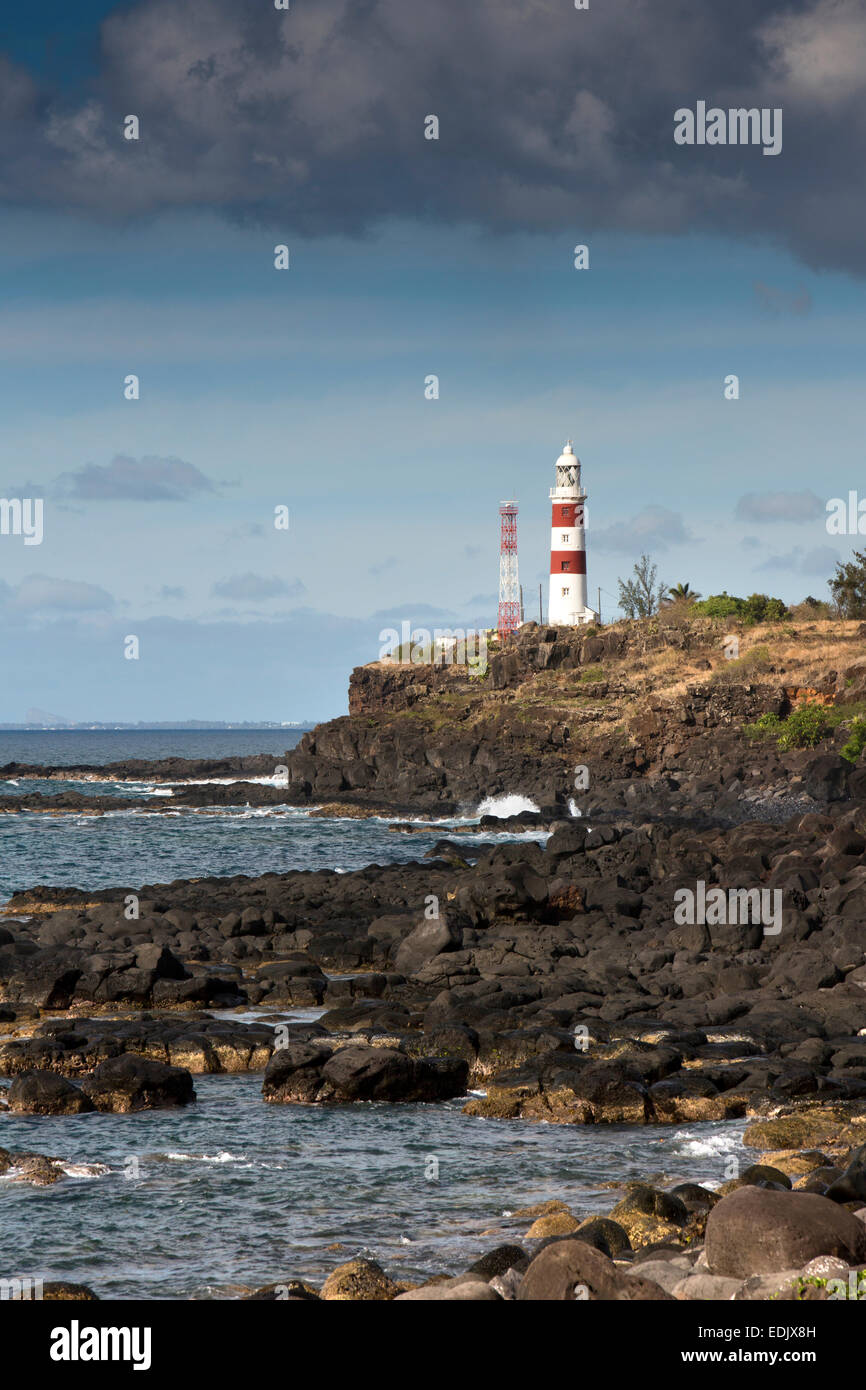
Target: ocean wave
502,806
227,781
709,1145
179,1156
83,1170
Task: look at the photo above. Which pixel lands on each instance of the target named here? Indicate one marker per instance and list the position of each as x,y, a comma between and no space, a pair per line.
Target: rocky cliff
648,709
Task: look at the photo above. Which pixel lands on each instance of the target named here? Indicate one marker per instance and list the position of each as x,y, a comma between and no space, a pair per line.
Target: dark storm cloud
551,118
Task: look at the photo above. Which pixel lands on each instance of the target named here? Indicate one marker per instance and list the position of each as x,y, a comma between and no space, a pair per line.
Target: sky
304,389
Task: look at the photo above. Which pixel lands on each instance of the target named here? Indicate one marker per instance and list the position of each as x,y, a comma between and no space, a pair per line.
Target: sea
230,1193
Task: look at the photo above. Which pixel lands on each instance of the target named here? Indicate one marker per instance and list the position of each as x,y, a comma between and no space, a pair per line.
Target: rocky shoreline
690,948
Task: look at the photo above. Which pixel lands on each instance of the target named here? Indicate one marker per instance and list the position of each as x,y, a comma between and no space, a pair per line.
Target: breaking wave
504,806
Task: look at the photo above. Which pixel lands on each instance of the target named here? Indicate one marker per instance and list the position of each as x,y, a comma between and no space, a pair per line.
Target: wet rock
290,1291
313,1073
498,1261
60,1291
44,1093
794,1131
22,1166
850,1186
758,1175
605,1235
127,1083
559,1223
649,1216
359,1281
694,1197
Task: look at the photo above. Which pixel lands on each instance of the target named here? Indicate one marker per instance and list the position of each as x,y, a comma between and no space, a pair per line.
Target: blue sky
305,388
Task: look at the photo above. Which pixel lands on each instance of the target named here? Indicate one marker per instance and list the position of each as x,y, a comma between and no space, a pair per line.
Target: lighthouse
567,606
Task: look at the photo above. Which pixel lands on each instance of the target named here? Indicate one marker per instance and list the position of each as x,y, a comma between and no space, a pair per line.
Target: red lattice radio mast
509,583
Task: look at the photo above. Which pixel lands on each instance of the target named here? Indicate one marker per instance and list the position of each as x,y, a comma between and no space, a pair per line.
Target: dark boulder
294,1073
310,1072
383,1073
851,1186
758,1231
428,940
826,777
570,1269
45,1093
127,1083
498,1261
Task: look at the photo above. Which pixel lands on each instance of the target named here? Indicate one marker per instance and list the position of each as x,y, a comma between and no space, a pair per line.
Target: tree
757,608
760,608
682,593
640,597
723,605
848,586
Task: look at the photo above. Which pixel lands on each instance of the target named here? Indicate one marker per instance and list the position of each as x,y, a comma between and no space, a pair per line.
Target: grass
756,661
845,714
796,654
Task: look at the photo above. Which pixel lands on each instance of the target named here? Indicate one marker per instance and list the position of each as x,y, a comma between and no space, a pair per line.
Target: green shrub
718,606
856,743
757,608
804,728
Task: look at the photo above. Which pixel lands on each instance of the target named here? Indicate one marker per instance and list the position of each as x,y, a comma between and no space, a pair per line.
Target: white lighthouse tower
567,606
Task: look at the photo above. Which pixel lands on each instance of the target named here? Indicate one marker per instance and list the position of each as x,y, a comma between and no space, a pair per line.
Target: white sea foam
227,781
503,806
84,1170
223,1156
709,1145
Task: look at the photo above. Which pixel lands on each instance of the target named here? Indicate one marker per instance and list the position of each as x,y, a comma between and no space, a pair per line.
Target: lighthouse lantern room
568,606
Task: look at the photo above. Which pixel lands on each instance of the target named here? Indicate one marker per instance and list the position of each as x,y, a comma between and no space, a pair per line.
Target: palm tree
682,593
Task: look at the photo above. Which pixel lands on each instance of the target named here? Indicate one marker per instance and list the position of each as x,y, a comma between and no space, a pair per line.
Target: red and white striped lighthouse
567,606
